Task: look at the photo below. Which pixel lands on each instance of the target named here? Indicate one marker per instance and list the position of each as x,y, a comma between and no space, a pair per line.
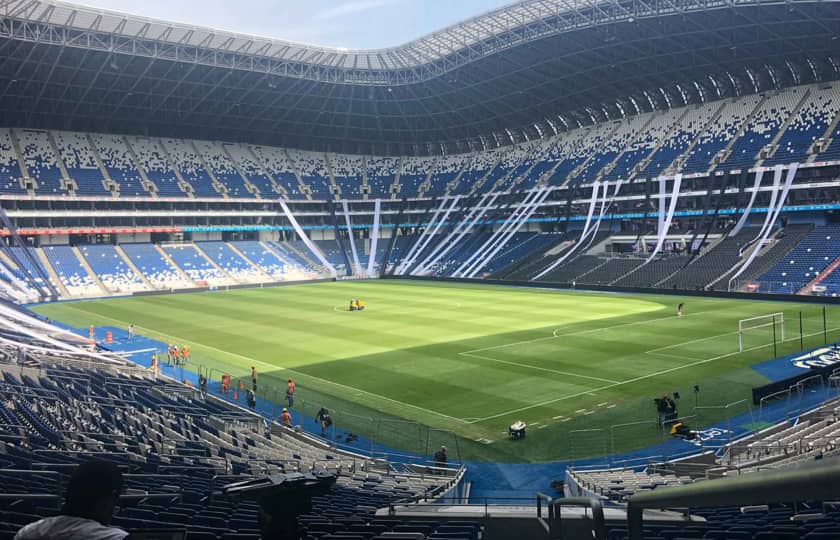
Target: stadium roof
523,71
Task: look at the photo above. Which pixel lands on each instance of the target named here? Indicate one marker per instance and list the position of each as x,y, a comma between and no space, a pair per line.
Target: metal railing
552,521
813,482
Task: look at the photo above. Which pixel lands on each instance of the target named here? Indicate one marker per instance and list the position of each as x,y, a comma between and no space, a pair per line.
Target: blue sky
355,24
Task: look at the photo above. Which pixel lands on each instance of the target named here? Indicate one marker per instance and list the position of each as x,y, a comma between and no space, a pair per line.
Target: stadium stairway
214,264
42,257
127,260
825,274
180,271
258,269
90,271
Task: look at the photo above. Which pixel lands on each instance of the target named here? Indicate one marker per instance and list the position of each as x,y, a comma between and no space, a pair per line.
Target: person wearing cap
92,494
286,418
440,460
254,377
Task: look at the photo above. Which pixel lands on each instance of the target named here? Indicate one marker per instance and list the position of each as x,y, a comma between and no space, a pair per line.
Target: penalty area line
609,386
274,366
538,368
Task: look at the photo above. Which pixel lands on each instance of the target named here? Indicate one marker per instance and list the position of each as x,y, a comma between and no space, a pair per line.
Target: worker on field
169,354
290,393
360,305
154,365
175,355
254,377
91,332
130,332
183,355
286,418
680,310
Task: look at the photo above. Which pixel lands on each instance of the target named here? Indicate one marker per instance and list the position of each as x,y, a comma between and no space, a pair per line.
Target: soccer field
472,359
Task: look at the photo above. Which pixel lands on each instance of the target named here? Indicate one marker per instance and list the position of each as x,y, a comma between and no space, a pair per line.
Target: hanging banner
411,252
595,189
512,230
374,239
461,230
431,235
357,266
467,265
772,215
665,224
746,215
302,235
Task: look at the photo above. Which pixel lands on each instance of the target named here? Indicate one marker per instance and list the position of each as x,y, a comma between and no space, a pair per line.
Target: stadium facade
669,146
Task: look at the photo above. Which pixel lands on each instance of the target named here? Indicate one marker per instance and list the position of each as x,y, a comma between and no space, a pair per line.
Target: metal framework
508,75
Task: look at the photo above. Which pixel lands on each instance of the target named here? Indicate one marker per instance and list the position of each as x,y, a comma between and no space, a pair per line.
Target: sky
352,24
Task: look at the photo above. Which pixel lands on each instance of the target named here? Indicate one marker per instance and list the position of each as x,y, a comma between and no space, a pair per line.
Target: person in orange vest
286,418
175,356
186,353
290,392
183,355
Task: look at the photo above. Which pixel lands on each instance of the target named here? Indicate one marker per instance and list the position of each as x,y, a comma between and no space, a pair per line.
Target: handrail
599,526
809,482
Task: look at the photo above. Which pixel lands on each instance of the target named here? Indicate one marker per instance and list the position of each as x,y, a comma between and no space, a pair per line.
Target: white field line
555,335
274,366
641,378
538,368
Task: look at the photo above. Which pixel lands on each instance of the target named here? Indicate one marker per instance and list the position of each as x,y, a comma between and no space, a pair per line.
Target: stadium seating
348,172
117,160
257,173
762,127
184,158
314,173
194,264
480,170
804,262
10,174
445,171
381,174
263,257
808,124
155,267
684,132
152,160
80,163
40,161
719,133
70,271
230,262
219,164
111,269
175,447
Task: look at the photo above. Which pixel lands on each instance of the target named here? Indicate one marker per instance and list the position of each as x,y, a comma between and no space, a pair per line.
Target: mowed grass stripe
402,357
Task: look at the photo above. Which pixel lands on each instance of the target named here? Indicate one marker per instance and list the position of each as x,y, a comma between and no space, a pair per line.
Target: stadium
562,269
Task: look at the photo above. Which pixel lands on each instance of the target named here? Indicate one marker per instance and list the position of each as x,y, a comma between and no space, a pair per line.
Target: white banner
665,224
357,266
431,234
467,265
517,224
595,190
312,247
773,212
401,266
374,239
462,229
746,215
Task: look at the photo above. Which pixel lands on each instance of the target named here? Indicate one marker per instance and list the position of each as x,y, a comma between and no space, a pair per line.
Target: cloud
352,7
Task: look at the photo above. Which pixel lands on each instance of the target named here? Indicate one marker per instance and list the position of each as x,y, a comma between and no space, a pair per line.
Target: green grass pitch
429,360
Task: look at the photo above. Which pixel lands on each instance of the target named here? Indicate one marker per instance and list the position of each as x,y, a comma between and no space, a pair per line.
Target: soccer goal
758,331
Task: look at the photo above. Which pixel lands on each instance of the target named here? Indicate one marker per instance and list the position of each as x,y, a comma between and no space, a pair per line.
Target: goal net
760,331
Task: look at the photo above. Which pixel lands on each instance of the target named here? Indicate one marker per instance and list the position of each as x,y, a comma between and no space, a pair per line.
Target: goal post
764,326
